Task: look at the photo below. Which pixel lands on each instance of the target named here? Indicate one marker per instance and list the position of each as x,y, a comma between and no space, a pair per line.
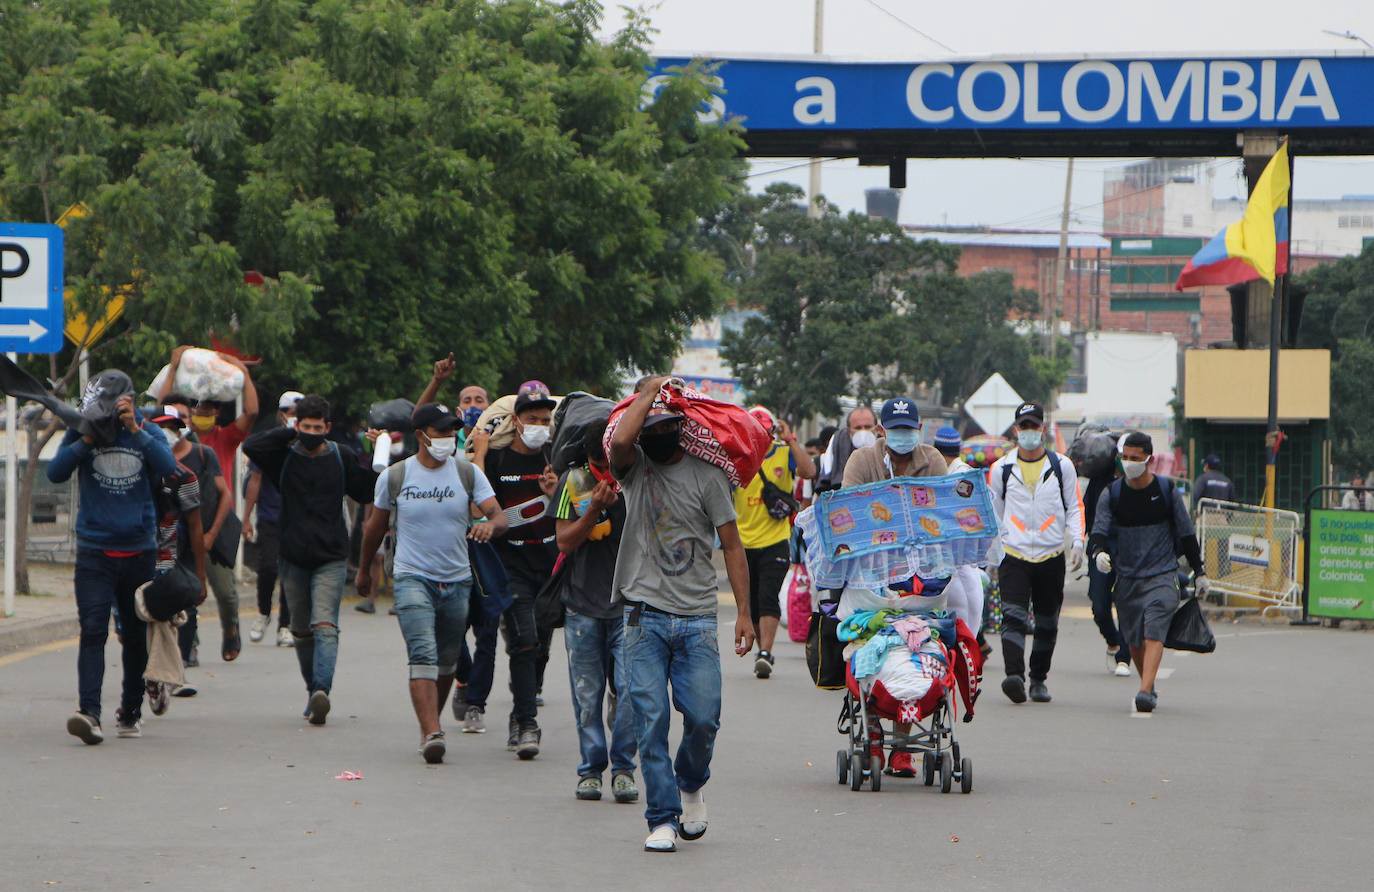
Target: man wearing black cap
426,501
1212,484
524,484
1035,497
117,461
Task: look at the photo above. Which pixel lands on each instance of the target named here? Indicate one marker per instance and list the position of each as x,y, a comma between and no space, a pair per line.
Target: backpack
395,480
1054,468
778,503
1166,487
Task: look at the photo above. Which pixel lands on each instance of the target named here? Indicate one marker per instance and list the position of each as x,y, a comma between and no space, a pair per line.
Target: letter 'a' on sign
30,288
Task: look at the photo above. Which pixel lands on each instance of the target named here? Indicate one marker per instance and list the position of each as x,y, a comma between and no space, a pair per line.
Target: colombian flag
1257,246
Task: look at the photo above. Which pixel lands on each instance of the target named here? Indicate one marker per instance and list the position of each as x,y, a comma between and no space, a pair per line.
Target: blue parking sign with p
31,316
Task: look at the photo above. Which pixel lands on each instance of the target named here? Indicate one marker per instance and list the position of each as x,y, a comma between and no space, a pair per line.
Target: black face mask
659,448
310,442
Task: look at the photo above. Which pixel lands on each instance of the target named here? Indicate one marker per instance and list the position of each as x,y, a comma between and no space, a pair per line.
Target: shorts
1145,607
767,569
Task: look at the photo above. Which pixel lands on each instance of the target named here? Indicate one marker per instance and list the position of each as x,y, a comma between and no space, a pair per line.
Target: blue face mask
470,416
903,440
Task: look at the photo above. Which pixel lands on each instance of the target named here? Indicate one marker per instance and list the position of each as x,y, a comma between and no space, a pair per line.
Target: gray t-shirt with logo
671,516
432,519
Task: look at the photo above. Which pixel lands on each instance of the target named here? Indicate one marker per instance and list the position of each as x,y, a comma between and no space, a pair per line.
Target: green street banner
1340,583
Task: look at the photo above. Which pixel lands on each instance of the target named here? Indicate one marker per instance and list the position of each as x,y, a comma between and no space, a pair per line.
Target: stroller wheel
946,772
966,776
842,766
875,781
927,769
856,773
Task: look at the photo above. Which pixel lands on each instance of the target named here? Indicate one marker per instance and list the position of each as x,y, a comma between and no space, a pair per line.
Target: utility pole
813,208
1060,271
1264,305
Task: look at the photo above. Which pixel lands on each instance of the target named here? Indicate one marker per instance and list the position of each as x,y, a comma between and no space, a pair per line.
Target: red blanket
721,434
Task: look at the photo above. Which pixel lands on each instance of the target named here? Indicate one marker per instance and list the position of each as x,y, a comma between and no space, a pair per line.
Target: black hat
435,415
103,392
533,401
1029,410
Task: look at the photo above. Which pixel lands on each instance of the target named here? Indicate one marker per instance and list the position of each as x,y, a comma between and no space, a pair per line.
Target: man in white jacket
1036,499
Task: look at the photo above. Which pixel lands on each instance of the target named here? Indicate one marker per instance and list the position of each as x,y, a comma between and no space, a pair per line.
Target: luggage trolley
933,737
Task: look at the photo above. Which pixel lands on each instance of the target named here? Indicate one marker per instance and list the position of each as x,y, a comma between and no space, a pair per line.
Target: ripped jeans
595,664
313,595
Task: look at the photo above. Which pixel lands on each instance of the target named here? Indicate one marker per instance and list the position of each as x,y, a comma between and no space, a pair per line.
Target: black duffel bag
392,416
825,651
576,412
172,592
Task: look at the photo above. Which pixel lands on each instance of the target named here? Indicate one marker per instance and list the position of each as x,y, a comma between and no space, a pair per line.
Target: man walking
765,526
117,465
676,506
524,485
1035,497
426,501
1212,483
265,532
314,475
1140,528
591,519
1100,584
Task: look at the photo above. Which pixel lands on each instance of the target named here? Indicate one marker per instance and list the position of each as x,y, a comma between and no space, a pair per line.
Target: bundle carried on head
203,375
720,434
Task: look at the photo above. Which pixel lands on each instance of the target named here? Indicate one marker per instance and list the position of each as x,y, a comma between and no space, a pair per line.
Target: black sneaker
763,666
460,702
528,745
86,727
1014,686
318,708
1039,692
433,748
513,738
1146,702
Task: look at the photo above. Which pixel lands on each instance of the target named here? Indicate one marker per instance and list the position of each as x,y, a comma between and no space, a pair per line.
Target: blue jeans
477,666
681,651
104,583
434,619
1100,593
314,595
594,658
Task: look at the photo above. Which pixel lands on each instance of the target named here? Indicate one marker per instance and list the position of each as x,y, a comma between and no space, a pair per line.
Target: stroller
932,720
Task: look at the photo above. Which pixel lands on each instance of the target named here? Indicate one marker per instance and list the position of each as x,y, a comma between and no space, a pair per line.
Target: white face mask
1134,469
291,422
441,449
535,435
863,439
1029,440
173,436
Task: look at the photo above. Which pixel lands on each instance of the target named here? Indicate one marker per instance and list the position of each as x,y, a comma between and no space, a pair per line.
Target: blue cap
900,411
947,439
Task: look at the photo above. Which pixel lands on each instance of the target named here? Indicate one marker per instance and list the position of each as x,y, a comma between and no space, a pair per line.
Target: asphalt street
1254,773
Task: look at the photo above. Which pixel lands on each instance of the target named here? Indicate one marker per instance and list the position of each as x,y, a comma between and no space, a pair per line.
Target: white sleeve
381,494
1074,499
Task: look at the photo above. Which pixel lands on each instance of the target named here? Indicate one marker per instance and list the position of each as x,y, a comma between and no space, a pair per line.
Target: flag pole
1271,434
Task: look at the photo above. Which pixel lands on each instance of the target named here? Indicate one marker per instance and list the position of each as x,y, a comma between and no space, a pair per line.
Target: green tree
411,177
1339,316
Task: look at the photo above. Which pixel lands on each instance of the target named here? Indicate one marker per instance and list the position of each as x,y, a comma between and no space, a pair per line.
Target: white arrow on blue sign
30,288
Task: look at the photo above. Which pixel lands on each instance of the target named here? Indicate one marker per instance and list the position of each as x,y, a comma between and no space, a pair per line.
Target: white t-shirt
432,523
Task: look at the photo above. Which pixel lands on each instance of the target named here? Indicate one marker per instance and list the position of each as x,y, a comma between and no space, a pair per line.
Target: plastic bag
1093,451
577,411
202,375
392,416
797,589
1188,630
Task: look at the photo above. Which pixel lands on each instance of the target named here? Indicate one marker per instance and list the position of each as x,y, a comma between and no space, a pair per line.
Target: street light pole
813,207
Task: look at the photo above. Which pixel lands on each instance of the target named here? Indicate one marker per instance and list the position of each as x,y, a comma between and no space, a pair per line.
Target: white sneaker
1111,660
693,823
662,839
259,626
1122,670
284,638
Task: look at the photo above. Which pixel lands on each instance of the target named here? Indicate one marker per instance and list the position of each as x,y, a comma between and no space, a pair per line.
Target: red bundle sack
720,434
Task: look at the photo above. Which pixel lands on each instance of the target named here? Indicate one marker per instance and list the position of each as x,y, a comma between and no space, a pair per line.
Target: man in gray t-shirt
676,506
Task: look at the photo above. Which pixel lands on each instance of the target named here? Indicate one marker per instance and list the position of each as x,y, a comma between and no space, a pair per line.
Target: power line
892,15
807,163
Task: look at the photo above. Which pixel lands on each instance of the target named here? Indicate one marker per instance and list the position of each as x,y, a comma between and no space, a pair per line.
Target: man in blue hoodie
117,462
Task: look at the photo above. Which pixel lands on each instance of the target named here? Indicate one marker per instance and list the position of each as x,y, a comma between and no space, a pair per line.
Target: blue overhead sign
1122,94
30,288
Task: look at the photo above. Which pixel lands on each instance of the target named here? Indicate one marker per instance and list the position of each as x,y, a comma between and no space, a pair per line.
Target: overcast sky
1024,194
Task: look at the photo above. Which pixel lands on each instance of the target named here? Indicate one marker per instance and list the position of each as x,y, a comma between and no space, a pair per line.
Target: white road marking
1141,715
1164,673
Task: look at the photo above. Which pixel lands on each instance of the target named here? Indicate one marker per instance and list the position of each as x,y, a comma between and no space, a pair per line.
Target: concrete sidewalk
49,614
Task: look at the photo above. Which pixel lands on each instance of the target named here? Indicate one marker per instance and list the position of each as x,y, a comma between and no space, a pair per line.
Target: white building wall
1131,378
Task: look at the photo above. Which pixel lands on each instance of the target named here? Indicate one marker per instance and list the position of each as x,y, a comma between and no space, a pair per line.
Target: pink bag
798,604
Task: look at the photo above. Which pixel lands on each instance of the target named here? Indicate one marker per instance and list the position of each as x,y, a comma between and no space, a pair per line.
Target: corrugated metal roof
1009,239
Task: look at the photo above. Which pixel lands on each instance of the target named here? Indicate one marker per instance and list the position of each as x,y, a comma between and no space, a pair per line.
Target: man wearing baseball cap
426,501
1035,497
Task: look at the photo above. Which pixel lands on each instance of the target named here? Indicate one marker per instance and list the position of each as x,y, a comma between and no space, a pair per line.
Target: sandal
229,651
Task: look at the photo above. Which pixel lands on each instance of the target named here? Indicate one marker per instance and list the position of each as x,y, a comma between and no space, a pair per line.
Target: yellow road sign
83,332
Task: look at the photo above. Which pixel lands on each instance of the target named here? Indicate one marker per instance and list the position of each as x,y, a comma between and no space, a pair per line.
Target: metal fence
52,517
1251,554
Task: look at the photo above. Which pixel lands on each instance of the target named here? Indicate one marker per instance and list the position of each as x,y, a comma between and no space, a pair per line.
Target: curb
24,634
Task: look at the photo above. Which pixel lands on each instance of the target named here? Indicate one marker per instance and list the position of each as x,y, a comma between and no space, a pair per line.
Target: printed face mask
442,448
1029,440
470,416
863,439
535,435
903,440
1134,469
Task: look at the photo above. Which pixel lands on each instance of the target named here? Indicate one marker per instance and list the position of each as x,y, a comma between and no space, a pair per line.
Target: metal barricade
1251,554
52,518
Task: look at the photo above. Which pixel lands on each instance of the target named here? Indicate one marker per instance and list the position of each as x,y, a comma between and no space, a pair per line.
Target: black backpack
1054,468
